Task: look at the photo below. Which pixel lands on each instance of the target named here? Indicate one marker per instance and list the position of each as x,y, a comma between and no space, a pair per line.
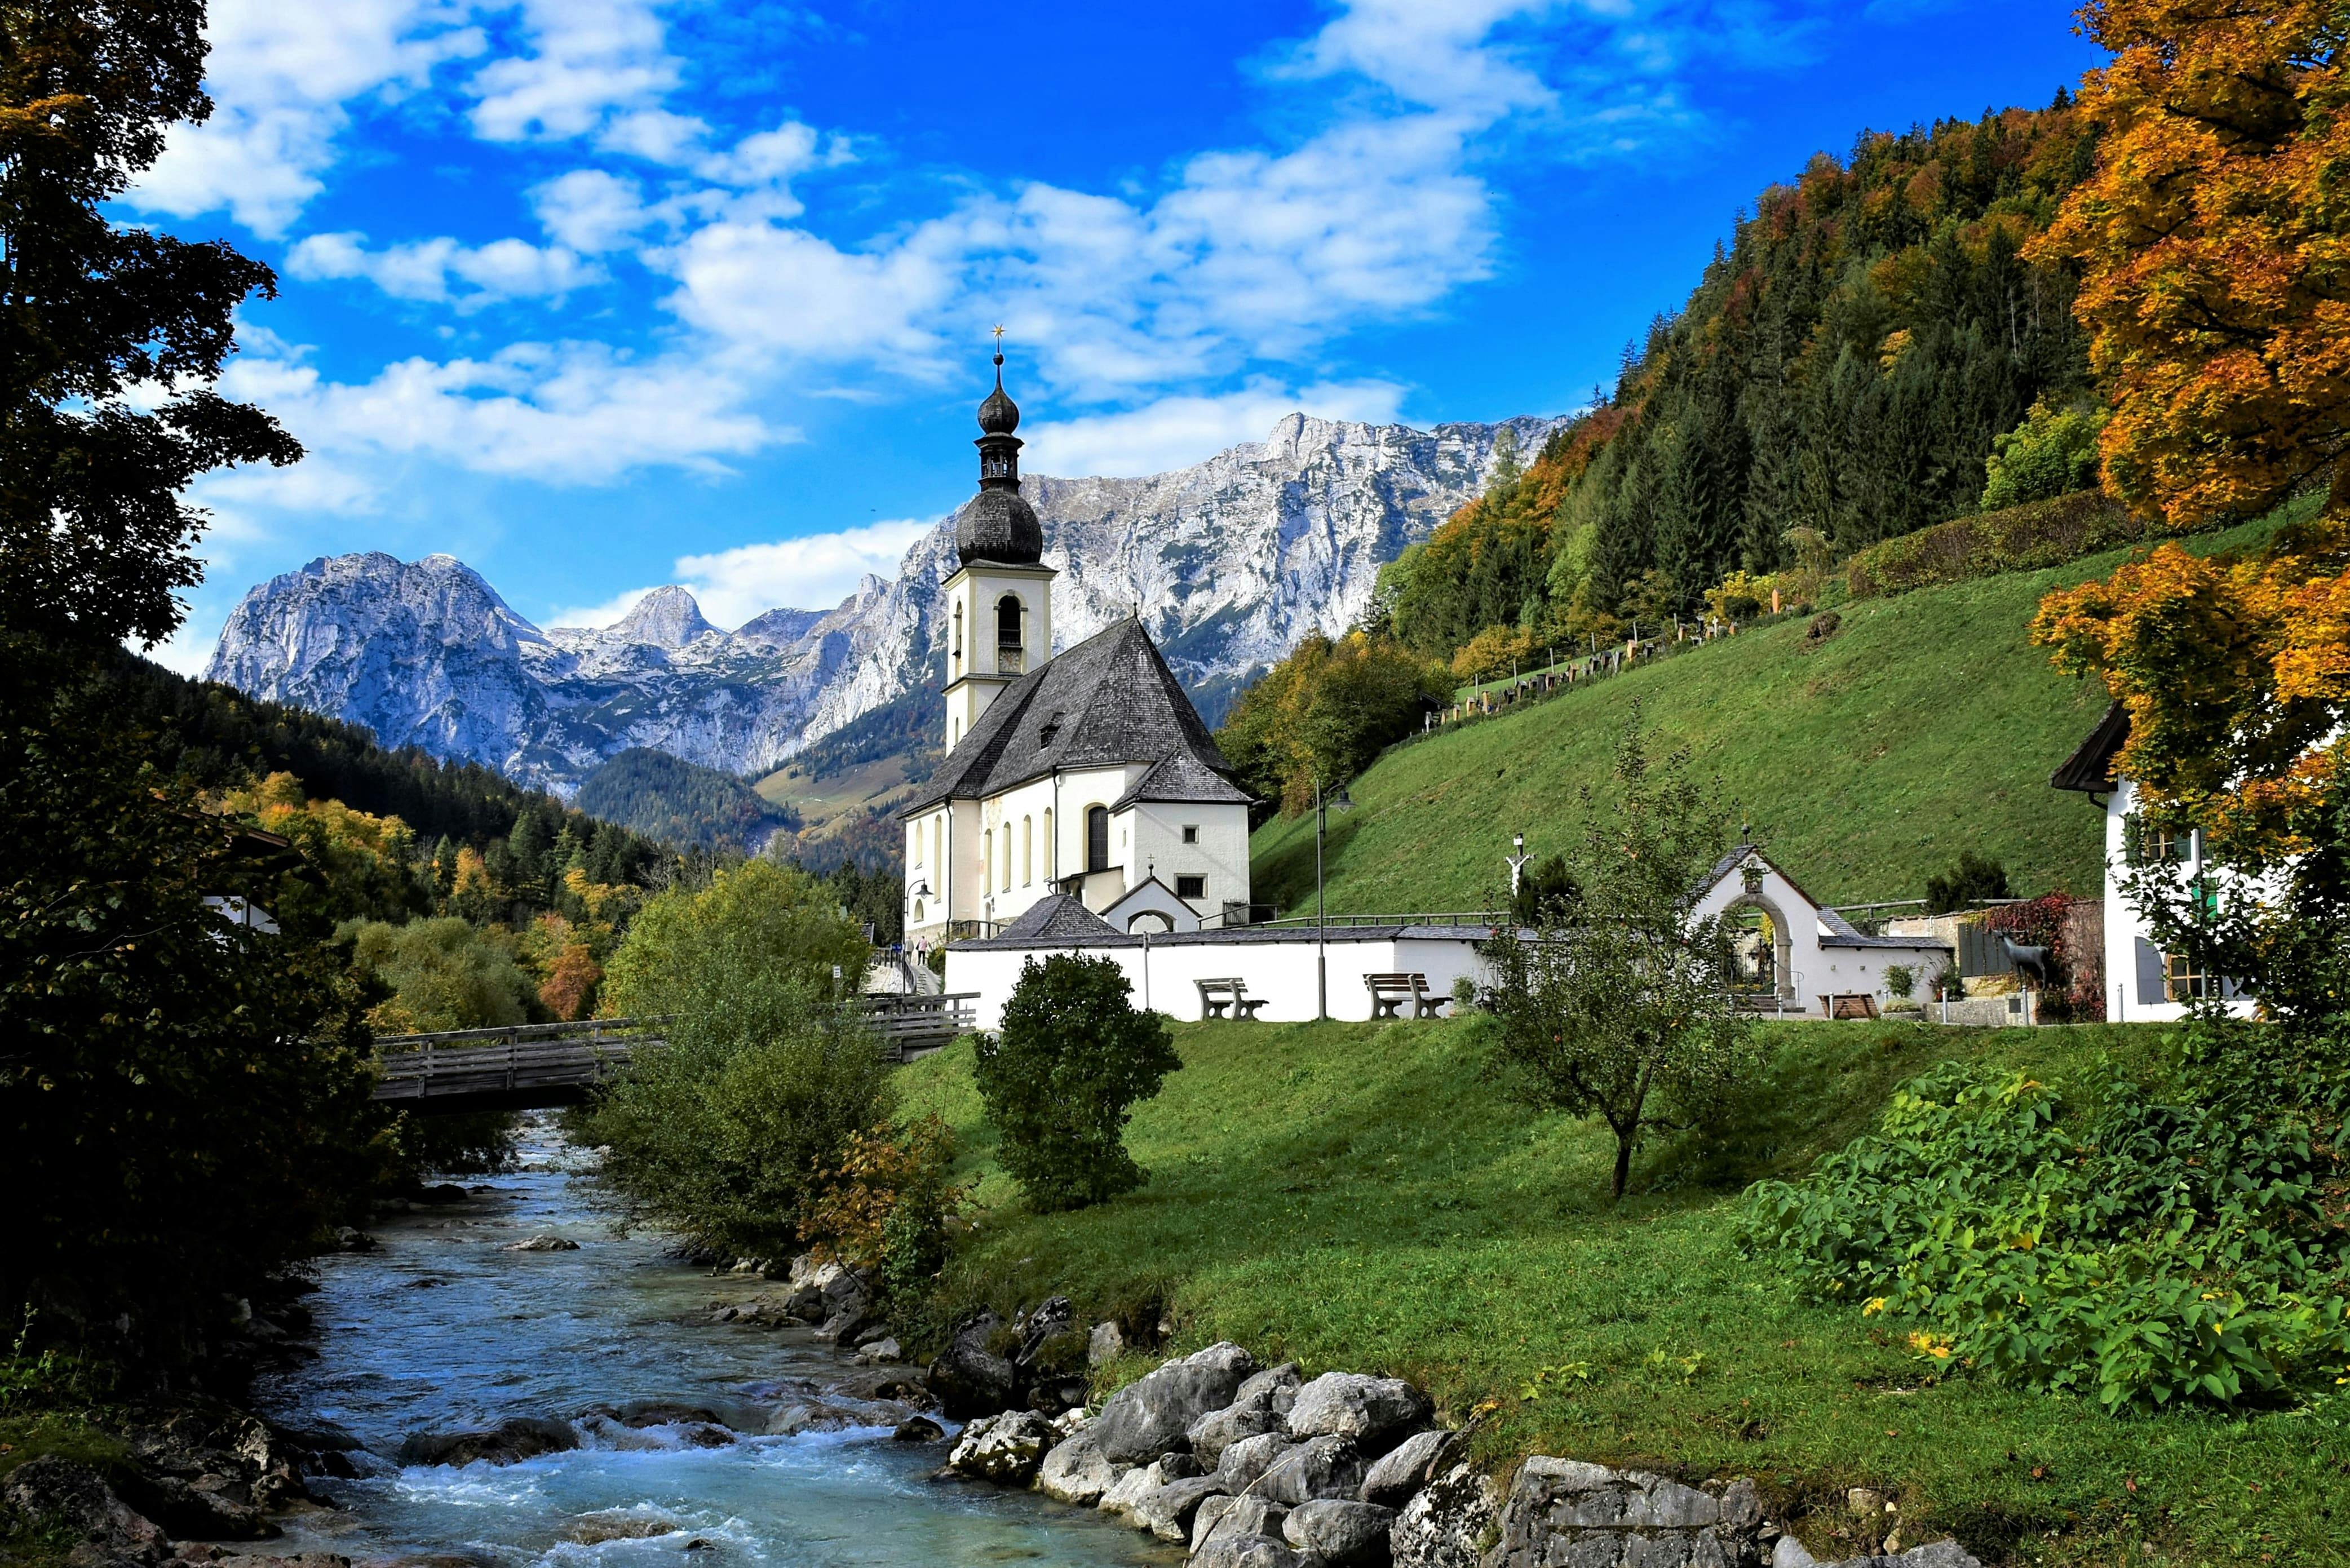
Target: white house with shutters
2144,983
1087,772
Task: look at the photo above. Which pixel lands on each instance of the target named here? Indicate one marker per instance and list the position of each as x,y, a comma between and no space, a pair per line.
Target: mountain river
442,1329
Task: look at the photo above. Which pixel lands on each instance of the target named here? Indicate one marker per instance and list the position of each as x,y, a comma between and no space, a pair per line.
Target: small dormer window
1190,832
1051,730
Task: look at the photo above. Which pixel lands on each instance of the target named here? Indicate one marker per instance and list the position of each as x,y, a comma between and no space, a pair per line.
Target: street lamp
1337,801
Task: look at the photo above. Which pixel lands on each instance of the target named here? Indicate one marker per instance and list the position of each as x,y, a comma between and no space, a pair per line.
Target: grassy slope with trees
1360,1197
1926,725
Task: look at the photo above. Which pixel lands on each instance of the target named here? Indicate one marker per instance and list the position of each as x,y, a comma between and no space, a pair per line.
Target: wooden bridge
531,1066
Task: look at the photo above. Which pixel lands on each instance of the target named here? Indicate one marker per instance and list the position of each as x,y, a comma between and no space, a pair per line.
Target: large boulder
508,1442
1340,1534
1004,1449
1277,1385
1403,1469
1075,1471
1245,1462
1150,1415
1166,1511
1450,1524
1141,1481
969,1378
1566,1510
1249,1515
1317,1468
74,1500
1789,1553
1375,1412
1251,1414
1249,1552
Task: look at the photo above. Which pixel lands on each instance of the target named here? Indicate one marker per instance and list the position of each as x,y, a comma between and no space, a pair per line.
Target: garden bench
1390,991
1216,995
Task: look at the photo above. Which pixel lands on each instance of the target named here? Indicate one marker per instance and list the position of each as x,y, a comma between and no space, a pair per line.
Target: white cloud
1436,53
814,571
1174,432
426,269
592,210
598,66
561,413
280,75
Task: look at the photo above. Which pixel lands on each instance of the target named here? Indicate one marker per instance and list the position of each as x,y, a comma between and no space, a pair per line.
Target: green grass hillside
1360,1197
1927,724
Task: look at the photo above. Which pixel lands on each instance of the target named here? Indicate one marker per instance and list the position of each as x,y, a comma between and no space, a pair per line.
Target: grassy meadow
1360,1196
1866,761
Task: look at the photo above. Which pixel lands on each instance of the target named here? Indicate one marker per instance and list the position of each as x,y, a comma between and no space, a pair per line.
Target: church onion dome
998,525
999,415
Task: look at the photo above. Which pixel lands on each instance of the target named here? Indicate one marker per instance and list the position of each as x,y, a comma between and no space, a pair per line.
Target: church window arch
1051,848
1009,643
918,912
1097,839
1027,851
987,858
956,649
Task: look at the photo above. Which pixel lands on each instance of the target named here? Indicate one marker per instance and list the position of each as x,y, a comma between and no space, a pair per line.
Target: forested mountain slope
1842,367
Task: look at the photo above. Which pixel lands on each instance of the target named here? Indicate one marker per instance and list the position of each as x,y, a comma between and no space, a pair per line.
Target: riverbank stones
1005,1449
508,1442
1151,1414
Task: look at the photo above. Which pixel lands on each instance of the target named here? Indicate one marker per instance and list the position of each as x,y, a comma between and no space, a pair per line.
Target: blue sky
599,294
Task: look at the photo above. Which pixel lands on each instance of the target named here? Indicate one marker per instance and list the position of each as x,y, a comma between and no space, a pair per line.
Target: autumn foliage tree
2211,243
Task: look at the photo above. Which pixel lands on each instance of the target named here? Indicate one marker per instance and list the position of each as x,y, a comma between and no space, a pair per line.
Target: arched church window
1008,645
1097,839
1052,849
1027,849
956,649
918,911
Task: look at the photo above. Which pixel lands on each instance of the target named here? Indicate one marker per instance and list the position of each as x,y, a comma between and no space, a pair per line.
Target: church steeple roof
998,525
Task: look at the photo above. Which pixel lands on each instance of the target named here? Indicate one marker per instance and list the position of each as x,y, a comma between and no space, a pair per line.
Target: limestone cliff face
1229,562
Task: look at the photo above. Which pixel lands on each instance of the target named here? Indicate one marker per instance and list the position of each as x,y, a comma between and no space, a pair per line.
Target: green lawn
1926,725
1360,1198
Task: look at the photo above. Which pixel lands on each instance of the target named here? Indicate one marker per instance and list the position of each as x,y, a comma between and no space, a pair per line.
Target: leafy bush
1061,1077
1973,876
2019,539
2165,1248
2052,452
725,1135
442,975
886,1208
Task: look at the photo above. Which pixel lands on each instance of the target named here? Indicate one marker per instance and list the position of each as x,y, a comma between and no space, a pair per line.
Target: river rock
1450,1524
1107,1343
968,1379
1277,1385
1567,1511
1789,1553
1075,1471
544,1244
1317,1468
1405,1469
1151,1414
835,1415
1375,1412
508,1442
1004,1449
1236,1551
1259,1405
1167,1513
74,1498
1340,1534
1245,1462
880,1350
1143,1480
1249,1515
917,1430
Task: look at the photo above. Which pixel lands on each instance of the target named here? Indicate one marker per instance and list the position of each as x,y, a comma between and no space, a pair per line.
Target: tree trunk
1623,1160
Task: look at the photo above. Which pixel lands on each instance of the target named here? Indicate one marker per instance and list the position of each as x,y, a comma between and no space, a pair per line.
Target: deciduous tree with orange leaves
2214,244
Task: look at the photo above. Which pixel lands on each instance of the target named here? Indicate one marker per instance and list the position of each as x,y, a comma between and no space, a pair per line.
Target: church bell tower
999,604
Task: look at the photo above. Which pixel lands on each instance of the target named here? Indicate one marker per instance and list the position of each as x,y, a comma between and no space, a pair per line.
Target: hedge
2019,539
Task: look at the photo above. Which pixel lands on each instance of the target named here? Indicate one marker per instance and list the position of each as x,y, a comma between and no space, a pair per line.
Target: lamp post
1336,802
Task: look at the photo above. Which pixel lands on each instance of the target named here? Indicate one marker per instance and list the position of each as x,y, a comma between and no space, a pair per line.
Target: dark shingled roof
2090,768
1056,917
1109,700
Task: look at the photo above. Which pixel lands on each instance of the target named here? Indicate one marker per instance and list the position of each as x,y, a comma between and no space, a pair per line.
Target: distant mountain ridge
1229,562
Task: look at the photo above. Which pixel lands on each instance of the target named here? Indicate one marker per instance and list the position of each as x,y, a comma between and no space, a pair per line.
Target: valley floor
1360,1195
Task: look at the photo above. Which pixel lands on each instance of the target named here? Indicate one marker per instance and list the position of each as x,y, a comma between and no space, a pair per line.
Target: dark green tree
95,536
1061,1076
1970,878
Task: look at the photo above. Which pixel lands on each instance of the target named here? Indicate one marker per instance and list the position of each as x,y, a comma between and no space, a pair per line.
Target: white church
1087,774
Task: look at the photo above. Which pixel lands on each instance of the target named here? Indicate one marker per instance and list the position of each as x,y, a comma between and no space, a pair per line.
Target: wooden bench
1848,1005
1390,991
1216,995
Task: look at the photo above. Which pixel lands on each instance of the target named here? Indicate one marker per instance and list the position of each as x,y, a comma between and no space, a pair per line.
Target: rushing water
443,1329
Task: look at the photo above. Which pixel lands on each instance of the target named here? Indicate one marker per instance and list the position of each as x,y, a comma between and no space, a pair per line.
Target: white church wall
1219,853
1164,975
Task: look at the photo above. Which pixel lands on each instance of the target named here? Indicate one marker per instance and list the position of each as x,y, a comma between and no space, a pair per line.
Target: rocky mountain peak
666,618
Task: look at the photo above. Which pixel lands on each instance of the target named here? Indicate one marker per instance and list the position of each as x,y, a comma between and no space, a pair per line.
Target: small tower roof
998,525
